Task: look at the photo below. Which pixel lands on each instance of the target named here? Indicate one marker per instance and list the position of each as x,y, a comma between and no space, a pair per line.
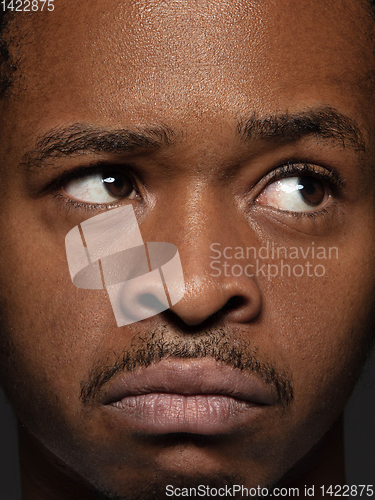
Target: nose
229,298
212,290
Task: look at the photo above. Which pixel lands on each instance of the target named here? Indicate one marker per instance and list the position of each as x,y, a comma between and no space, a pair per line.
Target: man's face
258,100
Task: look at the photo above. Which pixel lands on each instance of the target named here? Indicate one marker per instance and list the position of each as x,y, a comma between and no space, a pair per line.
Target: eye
296,194
101,187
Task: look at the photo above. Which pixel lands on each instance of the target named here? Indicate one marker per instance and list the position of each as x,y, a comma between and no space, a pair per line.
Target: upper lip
189,377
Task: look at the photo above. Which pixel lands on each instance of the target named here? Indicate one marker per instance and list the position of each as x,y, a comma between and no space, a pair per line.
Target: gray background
360,438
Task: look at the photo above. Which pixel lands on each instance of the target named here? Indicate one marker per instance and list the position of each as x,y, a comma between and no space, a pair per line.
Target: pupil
118,185
312,190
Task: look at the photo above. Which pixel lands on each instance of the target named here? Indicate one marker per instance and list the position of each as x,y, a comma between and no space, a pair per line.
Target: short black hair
7,65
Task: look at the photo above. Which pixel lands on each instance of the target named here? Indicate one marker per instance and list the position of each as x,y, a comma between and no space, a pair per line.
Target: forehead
157,61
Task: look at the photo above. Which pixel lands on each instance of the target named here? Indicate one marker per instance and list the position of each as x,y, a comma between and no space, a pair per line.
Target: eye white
92,189
286,194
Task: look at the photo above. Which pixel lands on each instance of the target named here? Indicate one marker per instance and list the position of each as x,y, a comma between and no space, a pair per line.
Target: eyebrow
325,123
80,138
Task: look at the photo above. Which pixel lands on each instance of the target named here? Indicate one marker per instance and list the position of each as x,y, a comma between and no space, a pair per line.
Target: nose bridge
199,219
199,223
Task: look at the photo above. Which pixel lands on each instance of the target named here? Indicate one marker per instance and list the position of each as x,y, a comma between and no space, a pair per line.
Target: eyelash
294,169
290,169
67,203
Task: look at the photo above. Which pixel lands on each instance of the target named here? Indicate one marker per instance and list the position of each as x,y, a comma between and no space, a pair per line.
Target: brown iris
118,185
312,190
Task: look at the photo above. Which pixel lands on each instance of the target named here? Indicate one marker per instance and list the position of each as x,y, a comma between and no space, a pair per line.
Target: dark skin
200,70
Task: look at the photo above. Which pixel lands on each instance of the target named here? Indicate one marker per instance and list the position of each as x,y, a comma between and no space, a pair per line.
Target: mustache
164,342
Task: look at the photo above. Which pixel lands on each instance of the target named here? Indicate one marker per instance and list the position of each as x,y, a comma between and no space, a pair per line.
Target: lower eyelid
324,222
67,203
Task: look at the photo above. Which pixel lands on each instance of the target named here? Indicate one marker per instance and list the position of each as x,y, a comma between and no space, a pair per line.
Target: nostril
240,309
233,304
238,301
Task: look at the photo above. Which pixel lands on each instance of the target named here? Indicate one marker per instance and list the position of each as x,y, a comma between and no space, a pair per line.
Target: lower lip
163,413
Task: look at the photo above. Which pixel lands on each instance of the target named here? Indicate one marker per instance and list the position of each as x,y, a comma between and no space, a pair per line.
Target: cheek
321,328
50,330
